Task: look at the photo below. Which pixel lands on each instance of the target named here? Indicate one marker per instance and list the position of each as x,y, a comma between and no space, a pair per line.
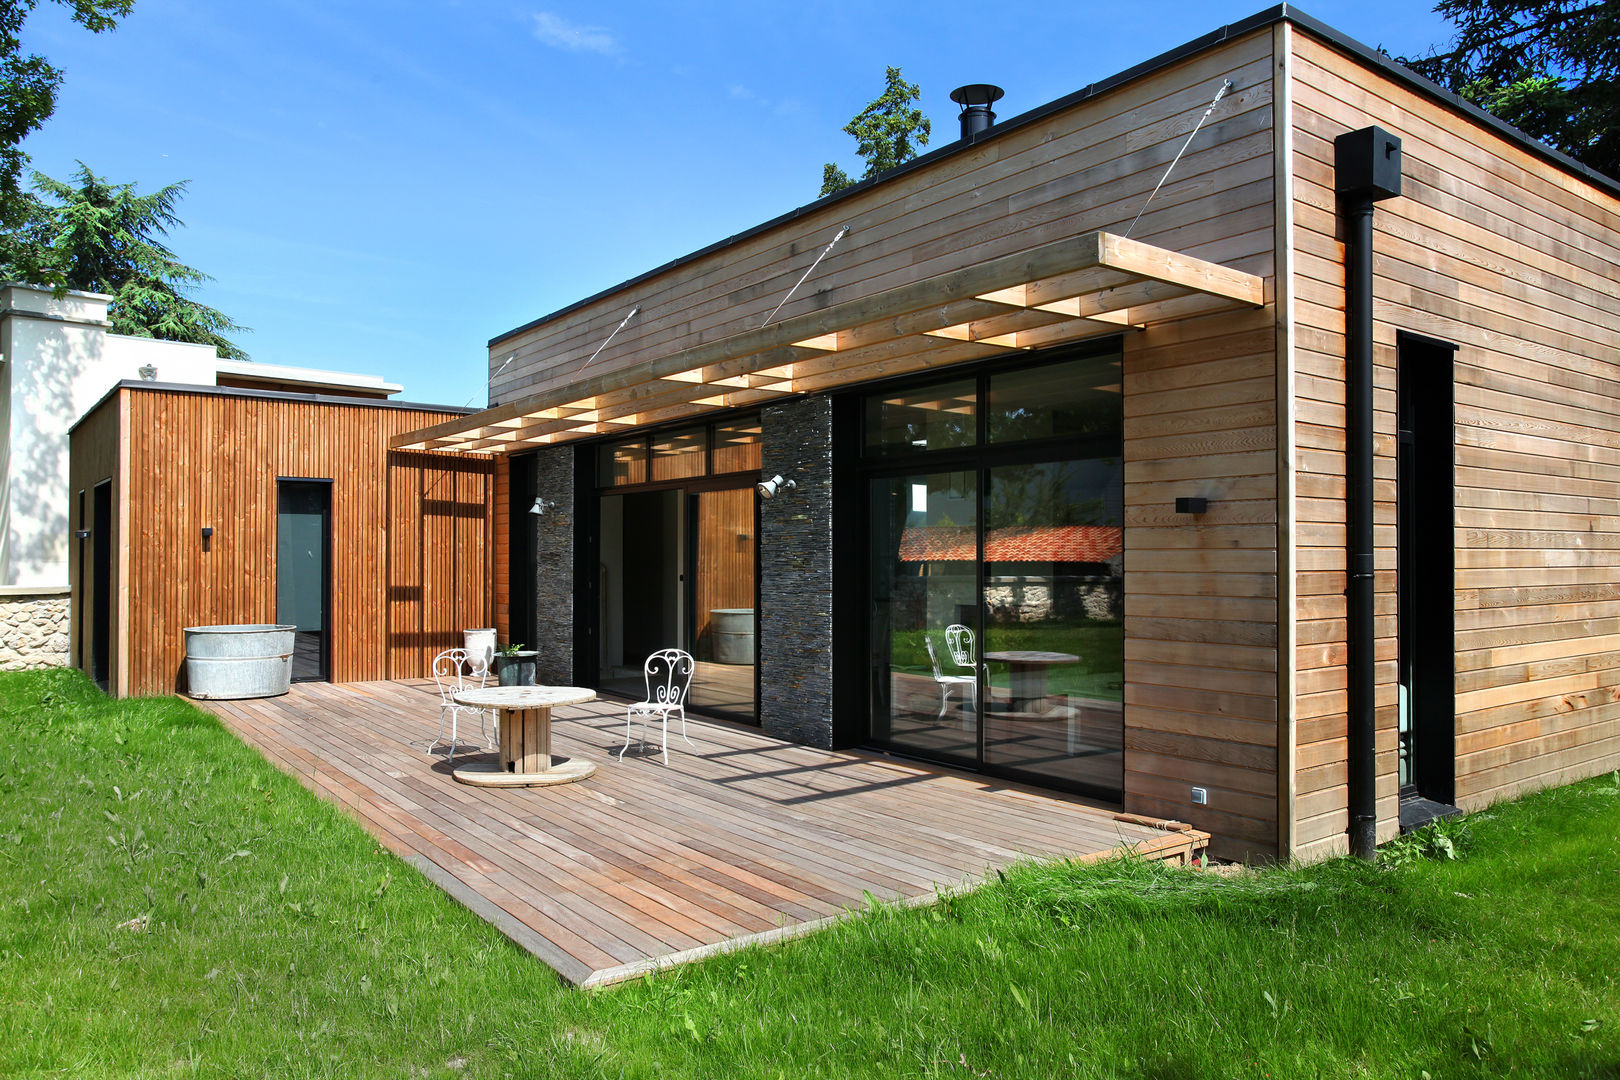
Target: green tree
1551,68
887,132
28,86
103,237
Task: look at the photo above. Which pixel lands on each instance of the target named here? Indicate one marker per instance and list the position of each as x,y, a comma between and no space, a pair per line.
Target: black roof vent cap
976,99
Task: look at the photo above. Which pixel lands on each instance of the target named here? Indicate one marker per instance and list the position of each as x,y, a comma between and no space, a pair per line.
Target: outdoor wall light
768,488
541,505
148,372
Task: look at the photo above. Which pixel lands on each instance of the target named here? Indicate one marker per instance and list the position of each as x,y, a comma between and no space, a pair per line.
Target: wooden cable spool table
525,723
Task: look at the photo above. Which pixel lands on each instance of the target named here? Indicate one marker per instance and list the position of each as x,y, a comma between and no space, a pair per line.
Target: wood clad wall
1200,394
409,531
1513,260
500,546
1087,167
725,557
93,457
1201,593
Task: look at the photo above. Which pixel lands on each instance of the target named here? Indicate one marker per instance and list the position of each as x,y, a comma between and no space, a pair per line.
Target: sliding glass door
924,613
995,555
675,547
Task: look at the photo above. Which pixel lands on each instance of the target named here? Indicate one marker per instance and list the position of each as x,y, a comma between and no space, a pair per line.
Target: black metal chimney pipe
1367,167
976,99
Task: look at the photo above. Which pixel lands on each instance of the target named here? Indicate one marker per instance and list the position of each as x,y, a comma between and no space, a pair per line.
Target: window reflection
934,418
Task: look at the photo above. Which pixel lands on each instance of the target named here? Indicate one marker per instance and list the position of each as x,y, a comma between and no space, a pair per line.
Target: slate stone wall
796,582
33,632
554,567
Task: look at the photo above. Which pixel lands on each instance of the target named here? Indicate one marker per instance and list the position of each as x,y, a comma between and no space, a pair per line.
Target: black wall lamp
1195,505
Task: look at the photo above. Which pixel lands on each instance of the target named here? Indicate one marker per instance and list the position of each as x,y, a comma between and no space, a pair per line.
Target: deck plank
744,838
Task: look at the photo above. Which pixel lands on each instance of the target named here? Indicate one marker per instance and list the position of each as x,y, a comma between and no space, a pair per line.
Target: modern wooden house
985,356
206,505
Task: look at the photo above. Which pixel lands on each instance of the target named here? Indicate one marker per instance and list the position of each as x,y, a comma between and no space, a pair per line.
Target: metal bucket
251,661
733,632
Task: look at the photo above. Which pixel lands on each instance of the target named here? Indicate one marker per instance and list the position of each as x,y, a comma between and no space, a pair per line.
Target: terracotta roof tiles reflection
1025,543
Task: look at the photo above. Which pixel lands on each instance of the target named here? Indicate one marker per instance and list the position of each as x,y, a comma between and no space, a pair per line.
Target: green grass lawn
270,936
1098,674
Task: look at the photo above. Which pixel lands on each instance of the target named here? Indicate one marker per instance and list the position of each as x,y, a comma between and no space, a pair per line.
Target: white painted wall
57,360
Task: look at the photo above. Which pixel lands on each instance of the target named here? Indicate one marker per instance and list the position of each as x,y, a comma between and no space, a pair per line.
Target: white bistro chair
669,677
959,641
455,671
968,683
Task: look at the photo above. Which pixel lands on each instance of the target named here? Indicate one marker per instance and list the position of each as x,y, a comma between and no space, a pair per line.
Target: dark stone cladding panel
554,567
795,567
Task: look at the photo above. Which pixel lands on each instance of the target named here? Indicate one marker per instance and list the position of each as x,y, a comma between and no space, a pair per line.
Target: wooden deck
744,839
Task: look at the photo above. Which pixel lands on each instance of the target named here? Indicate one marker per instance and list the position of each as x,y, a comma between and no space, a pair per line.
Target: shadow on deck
744,840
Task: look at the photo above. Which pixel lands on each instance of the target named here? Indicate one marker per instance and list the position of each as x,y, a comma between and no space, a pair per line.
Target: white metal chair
959,641
669,677
455,671
968,683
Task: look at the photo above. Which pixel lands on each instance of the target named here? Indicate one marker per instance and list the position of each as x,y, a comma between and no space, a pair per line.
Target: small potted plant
514,665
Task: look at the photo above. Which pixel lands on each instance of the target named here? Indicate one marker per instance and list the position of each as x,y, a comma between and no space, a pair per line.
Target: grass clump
172,905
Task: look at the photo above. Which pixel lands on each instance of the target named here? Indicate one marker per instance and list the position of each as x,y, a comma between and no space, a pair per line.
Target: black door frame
328,632
101,539
1426,558
588,495
852,646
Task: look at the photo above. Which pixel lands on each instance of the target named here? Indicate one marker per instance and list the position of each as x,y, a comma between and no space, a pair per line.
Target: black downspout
1367,166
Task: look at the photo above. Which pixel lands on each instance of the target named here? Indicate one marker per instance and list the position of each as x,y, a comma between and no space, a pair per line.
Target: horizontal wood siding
1088,167
1199,393
1513,260
409,531
1201,592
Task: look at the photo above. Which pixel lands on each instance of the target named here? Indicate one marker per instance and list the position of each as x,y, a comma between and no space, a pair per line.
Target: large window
995,546
730,446
675,557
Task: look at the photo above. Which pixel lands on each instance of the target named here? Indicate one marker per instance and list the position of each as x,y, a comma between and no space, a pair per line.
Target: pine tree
104,237
887,132
1549,67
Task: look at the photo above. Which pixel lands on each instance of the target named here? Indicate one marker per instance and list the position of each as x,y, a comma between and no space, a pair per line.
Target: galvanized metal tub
248,661
733,630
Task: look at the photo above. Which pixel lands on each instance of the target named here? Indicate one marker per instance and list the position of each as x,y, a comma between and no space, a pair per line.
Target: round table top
524,697
1032,656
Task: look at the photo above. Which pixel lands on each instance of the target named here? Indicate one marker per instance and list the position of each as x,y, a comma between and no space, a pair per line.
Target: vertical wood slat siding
206,459
501,548
725,556
1088,167
1494,250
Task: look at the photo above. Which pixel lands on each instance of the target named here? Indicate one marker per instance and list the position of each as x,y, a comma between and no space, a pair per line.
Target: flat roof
1268,17
270,395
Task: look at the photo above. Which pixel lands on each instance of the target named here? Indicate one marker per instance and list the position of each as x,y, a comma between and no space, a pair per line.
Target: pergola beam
1071,289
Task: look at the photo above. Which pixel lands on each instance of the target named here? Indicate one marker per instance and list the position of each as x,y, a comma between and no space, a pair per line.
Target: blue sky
383,187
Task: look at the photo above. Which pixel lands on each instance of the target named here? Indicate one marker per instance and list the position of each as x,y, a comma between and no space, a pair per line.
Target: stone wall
554,567
33,631
795,575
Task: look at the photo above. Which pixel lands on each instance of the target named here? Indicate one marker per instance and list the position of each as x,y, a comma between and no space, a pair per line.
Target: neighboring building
201,506
57,359
984,353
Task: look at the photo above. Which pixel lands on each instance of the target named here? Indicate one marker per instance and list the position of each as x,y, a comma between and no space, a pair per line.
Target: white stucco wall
56,361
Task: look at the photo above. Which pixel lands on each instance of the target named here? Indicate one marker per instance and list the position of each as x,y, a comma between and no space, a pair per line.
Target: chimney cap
983,94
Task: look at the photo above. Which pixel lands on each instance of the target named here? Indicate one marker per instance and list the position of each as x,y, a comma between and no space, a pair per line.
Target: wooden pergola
1082,287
